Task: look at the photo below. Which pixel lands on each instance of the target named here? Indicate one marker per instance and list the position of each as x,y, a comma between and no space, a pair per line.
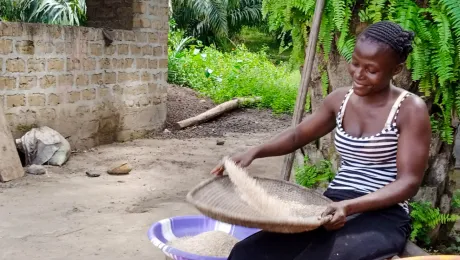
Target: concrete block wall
68,79
115,14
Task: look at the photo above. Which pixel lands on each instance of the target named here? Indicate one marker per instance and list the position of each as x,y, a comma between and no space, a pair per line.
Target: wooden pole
305,80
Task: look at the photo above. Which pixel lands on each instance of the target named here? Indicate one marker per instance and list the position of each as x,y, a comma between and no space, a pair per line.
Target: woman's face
372,67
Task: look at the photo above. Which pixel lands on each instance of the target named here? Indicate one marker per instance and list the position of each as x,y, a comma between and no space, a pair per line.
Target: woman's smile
359,86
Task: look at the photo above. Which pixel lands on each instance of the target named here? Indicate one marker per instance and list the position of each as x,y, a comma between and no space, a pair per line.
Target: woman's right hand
243,160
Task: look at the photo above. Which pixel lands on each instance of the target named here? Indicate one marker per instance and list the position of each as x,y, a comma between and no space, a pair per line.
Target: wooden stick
305,80
215,111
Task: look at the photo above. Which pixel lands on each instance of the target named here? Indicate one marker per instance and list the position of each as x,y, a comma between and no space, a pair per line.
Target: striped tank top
367,163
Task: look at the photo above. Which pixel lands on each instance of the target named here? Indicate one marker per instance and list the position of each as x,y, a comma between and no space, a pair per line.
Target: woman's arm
412,158
313,127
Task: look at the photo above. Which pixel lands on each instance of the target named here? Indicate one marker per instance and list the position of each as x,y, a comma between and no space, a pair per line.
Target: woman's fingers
329,211
336,216
218,170
335,223
336,219
335,226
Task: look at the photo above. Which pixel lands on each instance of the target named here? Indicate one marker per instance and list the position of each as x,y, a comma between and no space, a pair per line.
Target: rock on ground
93,174
120,168
35,169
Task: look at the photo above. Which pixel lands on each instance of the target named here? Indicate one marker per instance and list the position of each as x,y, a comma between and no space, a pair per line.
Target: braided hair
392,35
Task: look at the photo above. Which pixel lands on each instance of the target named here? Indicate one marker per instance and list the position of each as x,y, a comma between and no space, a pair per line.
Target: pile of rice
211,243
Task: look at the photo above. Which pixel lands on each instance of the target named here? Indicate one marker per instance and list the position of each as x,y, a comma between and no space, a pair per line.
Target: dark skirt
372,235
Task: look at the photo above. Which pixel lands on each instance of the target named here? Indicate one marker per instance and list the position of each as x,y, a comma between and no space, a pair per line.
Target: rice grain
211,243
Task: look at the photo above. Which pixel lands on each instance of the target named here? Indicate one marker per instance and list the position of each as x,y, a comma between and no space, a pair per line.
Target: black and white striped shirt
367,163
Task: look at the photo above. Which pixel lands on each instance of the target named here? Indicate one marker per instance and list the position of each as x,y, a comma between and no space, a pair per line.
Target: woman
383,136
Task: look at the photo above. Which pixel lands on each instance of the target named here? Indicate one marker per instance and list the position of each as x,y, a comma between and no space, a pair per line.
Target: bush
312,175
424,219
239,73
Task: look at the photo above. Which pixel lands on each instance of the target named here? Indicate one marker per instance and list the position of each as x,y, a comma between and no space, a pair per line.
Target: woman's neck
378,98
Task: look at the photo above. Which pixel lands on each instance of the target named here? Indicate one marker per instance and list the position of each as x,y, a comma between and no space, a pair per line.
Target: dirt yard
68,215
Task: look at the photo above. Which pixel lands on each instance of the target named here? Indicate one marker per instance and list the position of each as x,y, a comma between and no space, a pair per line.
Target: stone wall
115,14
68,79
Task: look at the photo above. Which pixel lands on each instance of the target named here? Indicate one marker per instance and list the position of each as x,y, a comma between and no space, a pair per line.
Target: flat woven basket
217,199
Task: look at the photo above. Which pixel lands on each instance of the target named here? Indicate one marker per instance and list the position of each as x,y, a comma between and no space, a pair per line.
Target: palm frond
63,12
214,21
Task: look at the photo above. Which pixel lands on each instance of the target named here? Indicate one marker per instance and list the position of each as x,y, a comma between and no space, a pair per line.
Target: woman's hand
242,160
338,210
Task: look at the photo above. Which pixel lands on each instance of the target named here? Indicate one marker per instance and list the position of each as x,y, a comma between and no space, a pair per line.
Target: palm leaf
214,21
72,12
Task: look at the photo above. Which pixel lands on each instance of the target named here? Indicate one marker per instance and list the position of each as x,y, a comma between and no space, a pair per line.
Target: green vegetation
215,21
314,175
62,12
424,219
255,38
434,63
238,73
295,16
454,247
456,200
11,10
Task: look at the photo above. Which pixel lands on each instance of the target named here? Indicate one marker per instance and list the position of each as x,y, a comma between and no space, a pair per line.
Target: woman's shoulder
339,94
334,100
413,102
413,107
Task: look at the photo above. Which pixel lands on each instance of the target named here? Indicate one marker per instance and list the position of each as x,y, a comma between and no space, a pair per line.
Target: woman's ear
398,69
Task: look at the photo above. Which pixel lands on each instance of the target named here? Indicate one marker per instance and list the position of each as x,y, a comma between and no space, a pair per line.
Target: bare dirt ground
68,215
184,103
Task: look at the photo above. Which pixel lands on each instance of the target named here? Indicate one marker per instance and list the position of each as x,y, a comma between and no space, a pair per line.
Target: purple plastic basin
163,231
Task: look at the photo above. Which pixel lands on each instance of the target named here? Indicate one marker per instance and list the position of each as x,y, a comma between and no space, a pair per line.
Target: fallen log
215,111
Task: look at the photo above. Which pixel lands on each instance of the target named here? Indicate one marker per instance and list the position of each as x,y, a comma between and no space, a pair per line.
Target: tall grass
223,76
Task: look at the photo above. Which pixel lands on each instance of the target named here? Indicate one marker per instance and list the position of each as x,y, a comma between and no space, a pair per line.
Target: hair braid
391,34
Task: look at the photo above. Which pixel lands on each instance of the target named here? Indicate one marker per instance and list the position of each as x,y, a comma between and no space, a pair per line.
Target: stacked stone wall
68,78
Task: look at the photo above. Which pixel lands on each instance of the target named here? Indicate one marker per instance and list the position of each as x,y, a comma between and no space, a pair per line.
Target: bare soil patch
184,103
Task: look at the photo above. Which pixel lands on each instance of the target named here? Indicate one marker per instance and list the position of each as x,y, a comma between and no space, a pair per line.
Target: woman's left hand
339,215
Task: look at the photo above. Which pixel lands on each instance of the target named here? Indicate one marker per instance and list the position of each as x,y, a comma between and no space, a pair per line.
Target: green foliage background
216,21
424,219
314,175
62,12
434,63
225,75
